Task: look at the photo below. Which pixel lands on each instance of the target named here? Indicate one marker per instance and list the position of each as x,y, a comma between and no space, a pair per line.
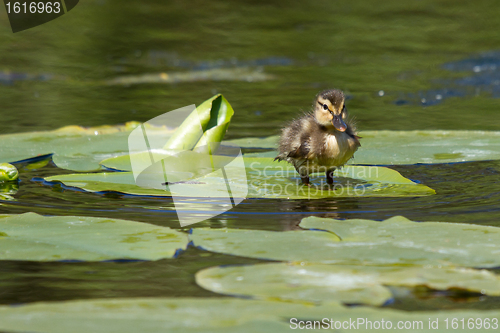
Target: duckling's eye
325,107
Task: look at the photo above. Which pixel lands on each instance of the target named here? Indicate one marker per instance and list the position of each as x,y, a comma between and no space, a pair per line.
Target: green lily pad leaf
270,142
156,315
213,116
82,149
407,147
8,173
30,236
210,185
270,179
265,179
73,147
221,315
342,283
201,131
393,241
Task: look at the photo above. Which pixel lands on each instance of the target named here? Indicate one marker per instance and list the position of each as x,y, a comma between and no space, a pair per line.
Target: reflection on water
8,189
9,78
427,56
237,74
158,58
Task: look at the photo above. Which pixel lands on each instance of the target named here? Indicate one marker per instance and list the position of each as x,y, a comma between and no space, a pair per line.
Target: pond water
404,66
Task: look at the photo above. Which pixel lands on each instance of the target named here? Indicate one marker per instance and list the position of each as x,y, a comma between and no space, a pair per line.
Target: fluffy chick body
322,140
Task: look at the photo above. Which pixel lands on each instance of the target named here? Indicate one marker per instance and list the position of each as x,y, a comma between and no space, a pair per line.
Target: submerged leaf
341,283
30,236
393,241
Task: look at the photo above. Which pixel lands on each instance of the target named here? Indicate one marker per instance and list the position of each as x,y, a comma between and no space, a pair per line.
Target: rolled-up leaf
206,125
220,116
8,172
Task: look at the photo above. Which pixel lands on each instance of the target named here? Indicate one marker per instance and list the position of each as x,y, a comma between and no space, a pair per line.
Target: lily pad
342,283
73,147
30,236
155,315
223,315
265,178
394,241
270,179
407,147
81,149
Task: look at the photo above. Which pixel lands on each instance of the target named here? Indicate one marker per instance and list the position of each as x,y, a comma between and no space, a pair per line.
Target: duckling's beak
338,123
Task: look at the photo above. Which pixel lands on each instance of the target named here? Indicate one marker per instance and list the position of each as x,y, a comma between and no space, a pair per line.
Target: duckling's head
329,109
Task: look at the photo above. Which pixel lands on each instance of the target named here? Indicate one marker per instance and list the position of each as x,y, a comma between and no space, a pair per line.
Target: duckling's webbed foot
329,176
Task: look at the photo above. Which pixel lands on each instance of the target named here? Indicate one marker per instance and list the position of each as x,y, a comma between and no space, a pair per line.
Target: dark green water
404,65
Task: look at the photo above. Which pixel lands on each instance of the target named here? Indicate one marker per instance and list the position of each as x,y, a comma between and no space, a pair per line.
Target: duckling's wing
295,139
300,152
295,153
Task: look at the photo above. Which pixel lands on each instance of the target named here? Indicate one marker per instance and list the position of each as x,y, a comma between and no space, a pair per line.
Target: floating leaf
33,237
342,283
8,173
270,142
393,241
270,179
81,149
407,147
155,315
73,147
266,179
225,315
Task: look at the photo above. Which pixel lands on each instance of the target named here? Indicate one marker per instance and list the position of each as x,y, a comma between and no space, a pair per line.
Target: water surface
404,66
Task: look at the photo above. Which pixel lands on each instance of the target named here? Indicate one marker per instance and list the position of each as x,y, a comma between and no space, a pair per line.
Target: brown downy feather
306,143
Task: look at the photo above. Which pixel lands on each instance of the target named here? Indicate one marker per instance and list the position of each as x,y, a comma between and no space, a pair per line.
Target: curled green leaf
204,128
8,173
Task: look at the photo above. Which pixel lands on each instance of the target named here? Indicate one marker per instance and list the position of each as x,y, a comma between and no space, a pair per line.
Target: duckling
322,140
